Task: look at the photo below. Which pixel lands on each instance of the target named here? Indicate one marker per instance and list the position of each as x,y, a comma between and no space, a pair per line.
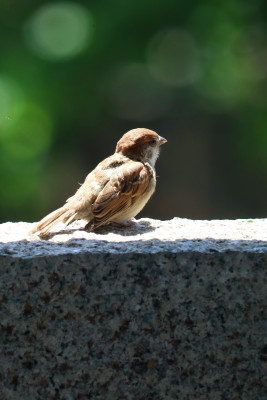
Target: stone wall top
147,236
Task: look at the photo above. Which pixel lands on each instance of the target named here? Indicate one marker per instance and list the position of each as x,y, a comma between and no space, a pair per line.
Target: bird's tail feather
63,214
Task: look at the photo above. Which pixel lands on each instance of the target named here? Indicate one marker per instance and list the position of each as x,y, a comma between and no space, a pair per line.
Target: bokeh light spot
59,31
173,58
135,95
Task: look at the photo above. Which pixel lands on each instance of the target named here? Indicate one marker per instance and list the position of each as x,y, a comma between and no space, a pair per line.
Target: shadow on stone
136,229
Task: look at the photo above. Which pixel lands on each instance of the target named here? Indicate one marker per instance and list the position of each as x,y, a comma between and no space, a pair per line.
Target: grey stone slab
164,310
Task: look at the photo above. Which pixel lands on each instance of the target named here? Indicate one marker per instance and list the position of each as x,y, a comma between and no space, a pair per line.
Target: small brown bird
117,189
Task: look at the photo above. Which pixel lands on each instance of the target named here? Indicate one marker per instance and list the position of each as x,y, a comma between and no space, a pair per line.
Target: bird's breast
136,205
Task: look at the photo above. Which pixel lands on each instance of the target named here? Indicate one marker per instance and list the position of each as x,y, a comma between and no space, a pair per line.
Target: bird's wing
122,190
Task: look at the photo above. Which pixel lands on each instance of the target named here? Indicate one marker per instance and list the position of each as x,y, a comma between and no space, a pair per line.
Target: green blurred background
75,76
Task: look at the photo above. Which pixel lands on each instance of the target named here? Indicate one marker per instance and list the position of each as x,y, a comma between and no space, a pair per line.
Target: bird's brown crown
135,139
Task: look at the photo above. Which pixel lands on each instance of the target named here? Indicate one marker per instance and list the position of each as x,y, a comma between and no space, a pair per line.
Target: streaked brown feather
121,192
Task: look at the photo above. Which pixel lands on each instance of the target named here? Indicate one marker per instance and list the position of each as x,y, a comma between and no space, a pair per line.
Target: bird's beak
162,140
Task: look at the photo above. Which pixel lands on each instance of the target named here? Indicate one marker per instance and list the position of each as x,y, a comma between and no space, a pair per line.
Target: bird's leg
89,227
125,224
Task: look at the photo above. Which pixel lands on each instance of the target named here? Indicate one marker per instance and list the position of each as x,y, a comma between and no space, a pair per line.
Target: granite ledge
164,310
147,236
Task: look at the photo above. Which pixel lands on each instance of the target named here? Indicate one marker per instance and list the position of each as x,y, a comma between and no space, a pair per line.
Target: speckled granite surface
163,310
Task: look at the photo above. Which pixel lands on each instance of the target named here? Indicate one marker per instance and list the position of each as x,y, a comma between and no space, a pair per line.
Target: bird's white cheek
153,157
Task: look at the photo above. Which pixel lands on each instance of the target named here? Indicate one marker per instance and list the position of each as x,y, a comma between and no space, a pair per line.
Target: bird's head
141,144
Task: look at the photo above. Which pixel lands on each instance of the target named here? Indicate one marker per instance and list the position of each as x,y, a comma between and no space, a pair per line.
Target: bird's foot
125,224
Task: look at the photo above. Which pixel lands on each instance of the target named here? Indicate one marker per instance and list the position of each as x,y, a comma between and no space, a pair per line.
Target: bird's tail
63,214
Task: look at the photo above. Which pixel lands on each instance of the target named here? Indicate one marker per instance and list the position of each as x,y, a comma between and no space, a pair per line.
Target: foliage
75,76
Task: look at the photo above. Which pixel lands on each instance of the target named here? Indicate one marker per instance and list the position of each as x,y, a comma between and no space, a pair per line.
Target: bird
116,190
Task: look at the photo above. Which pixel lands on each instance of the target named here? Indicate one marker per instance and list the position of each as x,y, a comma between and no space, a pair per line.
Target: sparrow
116,190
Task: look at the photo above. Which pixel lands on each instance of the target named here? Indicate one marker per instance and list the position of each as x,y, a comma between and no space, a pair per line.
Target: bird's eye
152,142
